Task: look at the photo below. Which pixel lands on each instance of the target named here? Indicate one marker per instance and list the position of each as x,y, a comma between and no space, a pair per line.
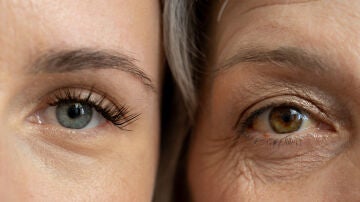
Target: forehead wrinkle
254,5
236,10
291,30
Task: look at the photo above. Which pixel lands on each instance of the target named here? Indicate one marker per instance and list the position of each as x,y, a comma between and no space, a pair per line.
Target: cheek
340,180
336,181
13,181
211,174
33,171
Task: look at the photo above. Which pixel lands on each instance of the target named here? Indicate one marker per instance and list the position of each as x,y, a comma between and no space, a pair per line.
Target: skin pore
266,58
62,58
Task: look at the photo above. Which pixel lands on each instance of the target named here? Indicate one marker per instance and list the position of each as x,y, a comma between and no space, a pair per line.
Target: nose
15,159
10,166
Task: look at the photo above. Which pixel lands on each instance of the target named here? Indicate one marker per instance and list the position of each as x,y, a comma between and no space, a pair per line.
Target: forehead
78,23
29,28
310,24
244,6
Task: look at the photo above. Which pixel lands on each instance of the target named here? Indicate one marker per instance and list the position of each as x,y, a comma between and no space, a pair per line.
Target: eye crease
78,109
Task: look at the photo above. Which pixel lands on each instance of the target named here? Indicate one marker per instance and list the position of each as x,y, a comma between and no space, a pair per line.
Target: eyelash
119,116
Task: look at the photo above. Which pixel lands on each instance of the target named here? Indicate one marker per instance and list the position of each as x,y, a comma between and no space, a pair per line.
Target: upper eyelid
91,95
264,89
89,91
70,93
325,96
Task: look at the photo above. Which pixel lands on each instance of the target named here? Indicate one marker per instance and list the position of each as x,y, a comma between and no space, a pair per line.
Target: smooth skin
268,53
116,51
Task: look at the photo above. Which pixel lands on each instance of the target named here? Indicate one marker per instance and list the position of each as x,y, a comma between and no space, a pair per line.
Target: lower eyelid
87,142
66,134
287,145
281,162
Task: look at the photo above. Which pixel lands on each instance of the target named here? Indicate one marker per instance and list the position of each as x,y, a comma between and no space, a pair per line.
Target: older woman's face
79,99
280,111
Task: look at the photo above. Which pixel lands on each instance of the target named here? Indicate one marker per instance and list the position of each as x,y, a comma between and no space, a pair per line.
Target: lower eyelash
120,116
288,140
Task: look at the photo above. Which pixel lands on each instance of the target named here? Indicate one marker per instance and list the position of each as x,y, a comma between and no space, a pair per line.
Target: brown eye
285,119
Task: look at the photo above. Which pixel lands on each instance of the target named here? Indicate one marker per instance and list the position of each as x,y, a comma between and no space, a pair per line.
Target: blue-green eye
79,109
74,115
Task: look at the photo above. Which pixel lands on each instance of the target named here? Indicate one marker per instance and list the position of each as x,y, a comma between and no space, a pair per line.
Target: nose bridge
7,141
7,159
11,165
13,175
10,160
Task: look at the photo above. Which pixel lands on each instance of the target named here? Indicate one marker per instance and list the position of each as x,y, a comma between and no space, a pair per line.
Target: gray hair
180,46
181,34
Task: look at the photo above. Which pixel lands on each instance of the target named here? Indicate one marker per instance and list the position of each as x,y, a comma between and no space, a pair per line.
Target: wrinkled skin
295,53
40,160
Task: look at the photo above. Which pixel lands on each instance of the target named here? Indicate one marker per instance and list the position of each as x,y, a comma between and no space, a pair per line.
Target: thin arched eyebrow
62,61
292,57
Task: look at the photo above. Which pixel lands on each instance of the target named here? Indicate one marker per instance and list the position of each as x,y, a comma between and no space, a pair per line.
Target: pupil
286,118
75,111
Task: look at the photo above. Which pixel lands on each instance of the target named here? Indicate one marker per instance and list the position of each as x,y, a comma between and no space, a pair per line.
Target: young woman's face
280,111
79,99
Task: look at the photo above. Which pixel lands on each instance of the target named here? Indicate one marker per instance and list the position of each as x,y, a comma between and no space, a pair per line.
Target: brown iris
285,119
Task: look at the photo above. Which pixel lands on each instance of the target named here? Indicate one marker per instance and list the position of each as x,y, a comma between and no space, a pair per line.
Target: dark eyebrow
82,59
282,56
